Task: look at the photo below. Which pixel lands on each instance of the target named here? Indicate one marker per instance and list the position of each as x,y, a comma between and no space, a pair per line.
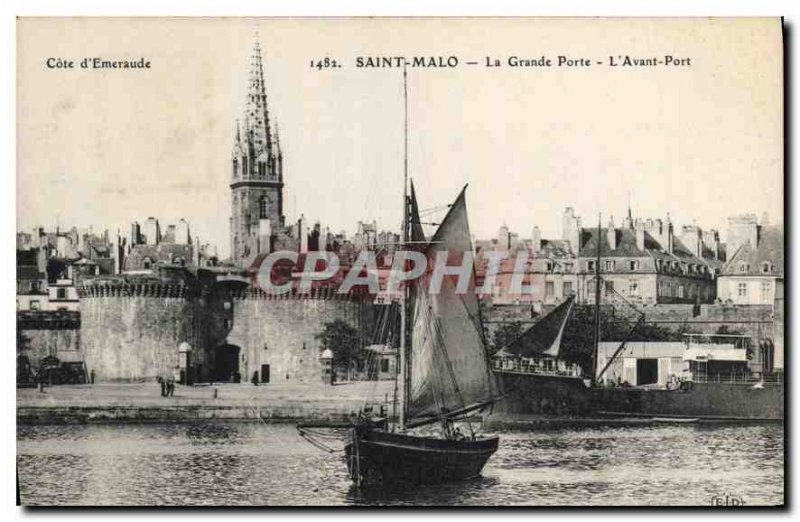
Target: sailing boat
444,369
446,375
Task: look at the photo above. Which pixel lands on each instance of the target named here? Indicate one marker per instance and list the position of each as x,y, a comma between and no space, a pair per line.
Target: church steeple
257,178
257,127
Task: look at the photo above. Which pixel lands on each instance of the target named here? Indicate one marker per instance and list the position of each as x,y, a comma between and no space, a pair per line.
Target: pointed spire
278,151
256,117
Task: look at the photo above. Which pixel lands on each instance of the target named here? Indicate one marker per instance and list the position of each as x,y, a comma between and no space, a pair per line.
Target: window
633,287
609,287
549,289
385,365
226,305
744,267
680,291
766,291
244,166
590,266
567,288
609,265
61,293
262,207
766,267
235,167
36,285
35,305
634,265
262,169
147,263
742,288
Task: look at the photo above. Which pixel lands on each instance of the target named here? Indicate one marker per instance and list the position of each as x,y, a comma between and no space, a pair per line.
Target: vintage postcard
400,261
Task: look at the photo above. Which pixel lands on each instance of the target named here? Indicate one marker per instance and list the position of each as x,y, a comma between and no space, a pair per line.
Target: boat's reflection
430,495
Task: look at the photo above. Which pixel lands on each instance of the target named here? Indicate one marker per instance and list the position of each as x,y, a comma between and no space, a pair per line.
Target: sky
700,142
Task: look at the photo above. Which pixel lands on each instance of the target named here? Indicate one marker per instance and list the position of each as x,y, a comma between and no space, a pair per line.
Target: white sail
449,369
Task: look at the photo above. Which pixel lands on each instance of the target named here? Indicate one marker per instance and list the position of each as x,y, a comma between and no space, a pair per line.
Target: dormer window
766,267
147,263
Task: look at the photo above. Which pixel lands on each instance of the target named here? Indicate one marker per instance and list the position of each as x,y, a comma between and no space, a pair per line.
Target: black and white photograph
399,261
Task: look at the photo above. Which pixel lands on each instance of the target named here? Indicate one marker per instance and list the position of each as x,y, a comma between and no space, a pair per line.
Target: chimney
670,237
639,229
692,237
571,229
302,231
611,235
536,239
711,240
742,229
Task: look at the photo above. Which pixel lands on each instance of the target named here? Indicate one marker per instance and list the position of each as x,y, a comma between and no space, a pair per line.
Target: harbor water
269,464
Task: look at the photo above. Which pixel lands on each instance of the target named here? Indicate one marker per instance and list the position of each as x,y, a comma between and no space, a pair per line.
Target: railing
523,366
738,378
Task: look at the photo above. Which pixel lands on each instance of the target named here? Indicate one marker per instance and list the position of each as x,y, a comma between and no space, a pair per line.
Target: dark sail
449,369
544,337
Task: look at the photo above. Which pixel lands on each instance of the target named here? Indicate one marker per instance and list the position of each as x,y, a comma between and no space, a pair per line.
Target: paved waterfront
309,400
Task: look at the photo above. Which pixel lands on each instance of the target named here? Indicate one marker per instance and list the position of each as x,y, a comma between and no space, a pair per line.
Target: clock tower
256,173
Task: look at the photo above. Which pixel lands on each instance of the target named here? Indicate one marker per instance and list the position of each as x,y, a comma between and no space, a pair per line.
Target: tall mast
404,302
596,303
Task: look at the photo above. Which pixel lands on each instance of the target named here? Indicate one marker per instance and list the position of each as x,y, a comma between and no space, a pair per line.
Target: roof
626,246
164,252
767,254
626,243
554,248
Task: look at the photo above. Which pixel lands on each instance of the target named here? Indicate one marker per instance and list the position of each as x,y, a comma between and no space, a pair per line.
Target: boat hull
376,457
528,395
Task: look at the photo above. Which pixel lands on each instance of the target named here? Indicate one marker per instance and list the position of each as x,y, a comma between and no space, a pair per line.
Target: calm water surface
257,464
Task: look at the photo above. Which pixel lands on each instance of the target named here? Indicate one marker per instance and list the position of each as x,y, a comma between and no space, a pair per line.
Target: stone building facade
756,262
645,262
